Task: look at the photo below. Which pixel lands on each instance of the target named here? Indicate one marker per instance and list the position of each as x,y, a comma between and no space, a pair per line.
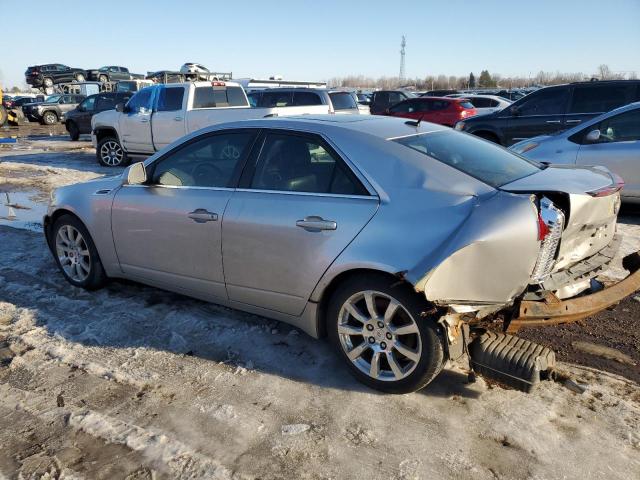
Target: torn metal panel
553,311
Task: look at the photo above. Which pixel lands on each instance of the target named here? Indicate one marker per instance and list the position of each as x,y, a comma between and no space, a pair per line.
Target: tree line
484,80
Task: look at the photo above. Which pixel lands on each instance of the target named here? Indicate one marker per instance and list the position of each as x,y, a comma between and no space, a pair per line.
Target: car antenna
415,123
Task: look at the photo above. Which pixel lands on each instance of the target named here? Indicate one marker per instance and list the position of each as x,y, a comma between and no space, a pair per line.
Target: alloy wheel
111,153
73,253
379,336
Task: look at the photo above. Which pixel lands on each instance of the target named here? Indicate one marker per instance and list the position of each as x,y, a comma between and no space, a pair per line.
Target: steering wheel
207,175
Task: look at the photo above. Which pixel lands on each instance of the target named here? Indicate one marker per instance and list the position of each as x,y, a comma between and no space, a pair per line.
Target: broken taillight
543,228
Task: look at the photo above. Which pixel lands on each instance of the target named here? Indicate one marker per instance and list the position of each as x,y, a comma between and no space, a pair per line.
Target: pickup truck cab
160,114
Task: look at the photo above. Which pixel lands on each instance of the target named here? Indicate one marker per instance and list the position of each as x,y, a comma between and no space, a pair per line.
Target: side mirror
120,107
137,174
593,136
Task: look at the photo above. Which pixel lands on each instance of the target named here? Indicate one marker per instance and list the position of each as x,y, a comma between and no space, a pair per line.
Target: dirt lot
133,382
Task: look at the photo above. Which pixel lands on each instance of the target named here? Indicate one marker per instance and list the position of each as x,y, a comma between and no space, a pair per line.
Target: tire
49,118
47,82
492,137
74,131
76,254
103,79
110,153
79,77
420,340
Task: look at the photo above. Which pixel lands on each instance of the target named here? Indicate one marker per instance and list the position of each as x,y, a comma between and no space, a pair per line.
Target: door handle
553,121
201,215
315,224
177,119
144,120
574,121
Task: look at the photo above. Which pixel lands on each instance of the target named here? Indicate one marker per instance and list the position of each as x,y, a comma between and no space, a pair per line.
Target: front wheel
110,153
47,82
74,131
49,118
76,254
79,78
380,329
103,79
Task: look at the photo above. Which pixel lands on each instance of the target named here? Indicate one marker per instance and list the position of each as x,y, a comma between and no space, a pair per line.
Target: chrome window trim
308,194
182,187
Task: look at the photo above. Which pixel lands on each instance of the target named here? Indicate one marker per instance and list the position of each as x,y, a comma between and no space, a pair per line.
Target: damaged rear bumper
553,311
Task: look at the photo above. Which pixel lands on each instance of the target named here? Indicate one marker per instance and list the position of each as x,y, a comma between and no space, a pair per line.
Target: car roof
377,125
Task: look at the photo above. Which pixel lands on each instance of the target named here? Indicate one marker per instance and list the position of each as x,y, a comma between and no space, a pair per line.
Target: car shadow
125,314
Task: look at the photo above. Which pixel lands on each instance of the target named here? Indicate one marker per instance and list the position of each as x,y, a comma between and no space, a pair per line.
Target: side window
104,102
546,102
479,102
439,105
207,162
141,101
402,107
395,97
254,98
113,69
89,104
596,99
294,163
343,101
276,99
620,128
170,99
306,98
123,70
493,103
66,99
218,97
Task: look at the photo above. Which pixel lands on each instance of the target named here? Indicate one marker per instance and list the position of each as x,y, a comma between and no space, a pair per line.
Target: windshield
478,158
53,98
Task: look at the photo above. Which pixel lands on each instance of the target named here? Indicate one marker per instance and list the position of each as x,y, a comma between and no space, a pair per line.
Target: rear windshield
212,97
478,158
466,105
343,101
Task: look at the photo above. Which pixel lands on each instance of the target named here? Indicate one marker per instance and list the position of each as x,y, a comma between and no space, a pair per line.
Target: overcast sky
317,40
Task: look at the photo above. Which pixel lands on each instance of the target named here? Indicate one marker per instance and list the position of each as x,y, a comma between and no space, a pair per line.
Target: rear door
135,122
167,123
541,113
84,113
618,149
590,100
168,231
298,207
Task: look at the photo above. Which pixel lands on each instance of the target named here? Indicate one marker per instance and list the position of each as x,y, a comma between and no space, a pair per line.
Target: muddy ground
133,382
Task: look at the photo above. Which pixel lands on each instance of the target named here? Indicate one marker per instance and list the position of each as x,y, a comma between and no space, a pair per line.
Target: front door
168,231
135,122
541,113
84,112
299,207
168,120
618,149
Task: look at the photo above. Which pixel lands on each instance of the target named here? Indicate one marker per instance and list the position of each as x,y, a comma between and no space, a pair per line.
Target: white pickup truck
157,115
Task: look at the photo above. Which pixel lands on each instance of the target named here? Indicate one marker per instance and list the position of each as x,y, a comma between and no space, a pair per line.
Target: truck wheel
79,77
3,115
110,153
74,131
103,79
49,118
380,330
47,82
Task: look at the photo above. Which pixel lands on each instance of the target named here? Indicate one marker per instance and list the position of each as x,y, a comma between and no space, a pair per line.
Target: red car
442,110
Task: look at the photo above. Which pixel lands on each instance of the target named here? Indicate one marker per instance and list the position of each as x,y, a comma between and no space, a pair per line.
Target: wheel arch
50,220
330,287
103,132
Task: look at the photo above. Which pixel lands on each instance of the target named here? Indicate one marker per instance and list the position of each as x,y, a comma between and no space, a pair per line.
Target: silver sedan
386,235
611,139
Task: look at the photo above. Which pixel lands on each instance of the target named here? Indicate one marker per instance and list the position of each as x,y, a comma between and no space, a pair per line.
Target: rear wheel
74,131
49,118
110,153
47,82
76,254
380,330
103,79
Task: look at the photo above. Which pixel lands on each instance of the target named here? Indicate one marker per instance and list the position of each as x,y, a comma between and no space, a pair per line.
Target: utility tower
402,45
